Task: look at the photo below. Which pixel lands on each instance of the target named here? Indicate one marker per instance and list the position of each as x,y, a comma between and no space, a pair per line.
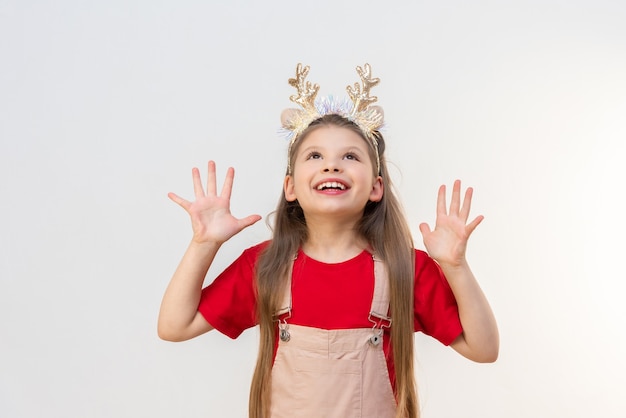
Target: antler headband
368,118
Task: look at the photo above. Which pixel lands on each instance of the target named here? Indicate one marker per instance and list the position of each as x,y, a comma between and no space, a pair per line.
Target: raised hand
448,241
210,215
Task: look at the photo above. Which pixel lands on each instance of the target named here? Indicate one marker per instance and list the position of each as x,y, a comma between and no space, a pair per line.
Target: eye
314,155
351,156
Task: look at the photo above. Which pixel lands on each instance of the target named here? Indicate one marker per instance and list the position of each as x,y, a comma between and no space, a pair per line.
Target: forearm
480,340
179,307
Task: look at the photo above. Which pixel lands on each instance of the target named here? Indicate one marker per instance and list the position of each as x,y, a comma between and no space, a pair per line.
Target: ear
289,116
376,194
288,189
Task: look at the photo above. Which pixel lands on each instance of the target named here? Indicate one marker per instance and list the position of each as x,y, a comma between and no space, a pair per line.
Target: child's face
333,174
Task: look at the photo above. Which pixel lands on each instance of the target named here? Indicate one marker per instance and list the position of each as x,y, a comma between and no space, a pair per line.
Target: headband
368,118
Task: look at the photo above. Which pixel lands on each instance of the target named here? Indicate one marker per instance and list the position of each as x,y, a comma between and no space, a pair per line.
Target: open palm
211,219
448,241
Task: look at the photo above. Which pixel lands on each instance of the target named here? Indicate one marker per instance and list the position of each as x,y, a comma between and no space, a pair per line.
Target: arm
212,225
447,244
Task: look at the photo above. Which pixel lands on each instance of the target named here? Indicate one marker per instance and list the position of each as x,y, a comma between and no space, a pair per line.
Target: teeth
331,185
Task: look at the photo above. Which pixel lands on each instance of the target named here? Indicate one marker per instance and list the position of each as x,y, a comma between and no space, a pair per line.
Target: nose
331,165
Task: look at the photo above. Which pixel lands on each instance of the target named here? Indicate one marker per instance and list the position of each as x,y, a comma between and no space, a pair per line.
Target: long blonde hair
384,227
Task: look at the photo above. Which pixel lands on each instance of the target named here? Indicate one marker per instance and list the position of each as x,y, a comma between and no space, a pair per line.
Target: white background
106,106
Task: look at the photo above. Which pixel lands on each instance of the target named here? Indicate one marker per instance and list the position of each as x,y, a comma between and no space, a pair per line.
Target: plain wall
106,106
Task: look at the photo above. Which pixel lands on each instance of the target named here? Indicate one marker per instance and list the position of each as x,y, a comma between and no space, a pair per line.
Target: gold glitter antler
306,90
362,99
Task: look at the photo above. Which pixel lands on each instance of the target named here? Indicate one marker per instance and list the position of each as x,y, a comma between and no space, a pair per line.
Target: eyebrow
351,148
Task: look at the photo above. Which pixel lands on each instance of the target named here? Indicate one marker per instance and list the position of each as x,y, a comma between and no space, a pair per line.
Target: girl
339,290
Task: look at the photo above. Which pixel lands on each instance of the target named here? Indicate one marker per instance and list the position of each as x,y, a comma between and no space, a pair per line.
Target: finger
441,201
179,200
455,204
197,183
228,183
249,220
211,180
467,204
424,229
472,225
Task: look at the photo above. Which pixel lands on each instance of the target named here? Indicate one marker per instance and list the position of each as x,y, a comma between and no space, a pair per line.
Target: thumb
424,229
179,201
472,225
249,220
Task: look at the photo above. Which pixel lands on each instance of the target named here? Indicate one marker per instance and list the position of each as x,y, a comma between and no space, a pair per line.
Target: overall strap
284,311
380,300
285,305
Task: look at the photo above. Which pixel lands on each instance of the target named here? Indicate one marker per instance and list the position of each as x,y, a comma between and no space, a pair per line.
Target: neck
333,242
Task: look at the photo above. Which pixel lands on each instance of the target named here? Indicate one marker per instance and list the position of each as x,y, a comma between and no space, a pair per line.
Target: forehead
333,137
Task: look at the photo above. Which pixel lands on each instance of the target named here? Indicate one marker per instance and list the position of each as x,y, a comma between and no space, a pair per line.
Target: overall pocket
328,388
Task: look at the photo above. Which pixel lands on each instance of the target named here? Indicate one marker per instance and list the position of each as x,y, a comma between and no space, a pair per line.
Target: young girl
339,290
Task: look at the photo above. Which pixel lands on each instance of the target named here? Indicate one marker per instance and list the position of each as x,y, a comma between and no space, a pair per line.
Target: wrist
204,246
453,265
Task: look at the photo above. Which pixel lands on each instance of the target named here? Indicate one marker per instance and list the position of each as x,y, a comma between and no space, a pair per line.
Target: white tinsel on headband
368,121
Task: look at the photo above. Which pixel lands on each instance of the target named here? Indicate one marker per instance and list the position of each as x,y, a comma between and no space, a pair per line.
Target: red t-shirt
330,296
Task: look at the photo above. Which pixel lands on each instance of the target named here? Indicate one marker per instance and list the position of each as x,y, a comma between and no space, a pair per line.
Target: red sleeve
229,303
436,311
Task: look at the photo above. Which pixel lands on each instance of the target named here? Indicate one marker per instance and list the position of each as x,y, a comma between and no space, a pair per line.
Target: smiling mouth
331,185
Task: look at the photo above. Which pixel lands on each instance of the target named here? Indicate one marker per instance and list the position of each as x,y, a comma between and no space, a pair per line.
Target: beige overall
342,373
